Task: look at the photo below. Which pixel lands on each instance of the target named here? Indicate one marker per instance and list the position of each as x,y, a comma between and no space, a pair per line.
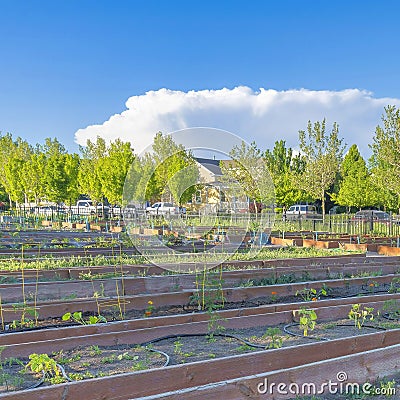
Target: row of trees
32,174
320,171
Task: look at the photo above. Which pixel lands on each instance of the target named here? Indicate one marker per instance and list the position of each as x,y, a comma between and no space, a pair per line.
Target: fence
340,224
335,224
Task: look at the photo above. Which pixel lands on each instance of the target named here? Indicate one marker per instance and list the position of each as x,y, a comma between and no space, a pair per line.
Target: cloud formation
264,116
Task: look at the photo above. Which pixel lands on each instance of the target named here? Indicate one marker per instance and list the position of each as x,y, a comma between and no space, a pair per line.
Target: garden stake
1,315
22,274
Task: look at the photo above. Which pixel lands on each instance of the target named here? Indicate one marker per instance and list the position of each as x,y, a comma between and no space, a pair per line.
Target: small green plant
392,307
24,321
395,286
126,356
366,274
274,334
109,359
6,379
245,347
77,317
85,364
359,314
62,359
149,309
43,363
209,293
307,319
139,366
311,294
178,347
94,350
214,326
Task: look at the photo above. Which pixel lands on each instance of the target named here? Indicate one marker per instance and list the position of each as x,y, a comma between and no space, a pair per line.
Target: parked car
301,211
48,210
162,208
368,215
129,211
86,207
337,210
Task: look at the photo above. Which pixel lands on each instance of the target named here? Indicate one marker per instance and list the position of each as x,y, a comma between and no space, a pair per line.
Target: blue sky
66,65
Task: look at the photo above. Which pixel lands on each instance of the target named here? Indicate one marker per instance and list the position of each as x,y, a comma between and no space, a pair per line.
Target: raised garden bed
344,341
221,332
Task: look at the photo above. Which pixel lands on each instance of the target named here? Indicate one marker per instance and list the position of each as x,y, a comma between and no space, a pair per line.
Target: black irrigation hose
228,335
286,330
289,332
387,316
65,375
378,328
358,294
38,383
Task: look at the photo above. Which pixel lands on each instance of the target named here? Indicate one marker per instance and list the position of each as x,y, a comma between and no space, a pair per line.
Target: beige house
213,197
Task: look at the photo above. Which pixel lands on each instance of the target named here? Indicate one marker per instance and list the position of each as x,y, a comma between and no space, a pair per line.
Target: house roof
211,165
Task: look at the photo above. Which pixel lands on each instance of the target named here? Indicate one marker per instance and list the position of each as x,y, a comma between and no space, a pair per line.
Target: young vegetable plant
43,363
6,379
276,338
149,309
392,308
394,286
307,320
311,294
214,325
77,317
178,347
359,314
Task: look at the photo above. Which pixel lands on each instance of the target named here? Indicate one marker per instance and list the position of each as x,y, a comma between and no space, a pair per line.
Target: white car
162,208
86,207
301,211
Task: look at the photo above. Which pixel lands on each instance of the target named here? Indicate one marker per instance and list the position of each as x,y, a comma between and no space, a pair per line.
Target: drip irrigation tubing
67,378
226,335
289,332
295,334
387,316
378,328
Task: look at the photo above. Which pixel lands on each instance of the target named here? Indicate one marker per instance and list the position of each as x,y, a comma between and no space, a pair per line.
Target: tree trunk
323,206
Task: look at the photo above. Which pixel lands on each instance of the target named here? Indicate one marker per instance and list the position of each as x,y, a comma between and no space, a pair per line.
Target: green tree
90,169
71,166
323,153
386,152
248,175
140,182
113,169
33,176
55,175
284,166
19,155
169,160
355,185
184,183
7,149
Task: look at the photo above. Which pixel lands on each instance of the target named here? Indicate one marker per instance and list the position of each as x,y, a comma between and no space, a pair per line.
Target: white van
301,211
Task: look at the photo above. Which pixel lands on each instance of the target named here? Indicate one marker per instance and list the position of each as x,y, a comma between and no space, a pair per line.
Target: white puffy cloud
264,116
